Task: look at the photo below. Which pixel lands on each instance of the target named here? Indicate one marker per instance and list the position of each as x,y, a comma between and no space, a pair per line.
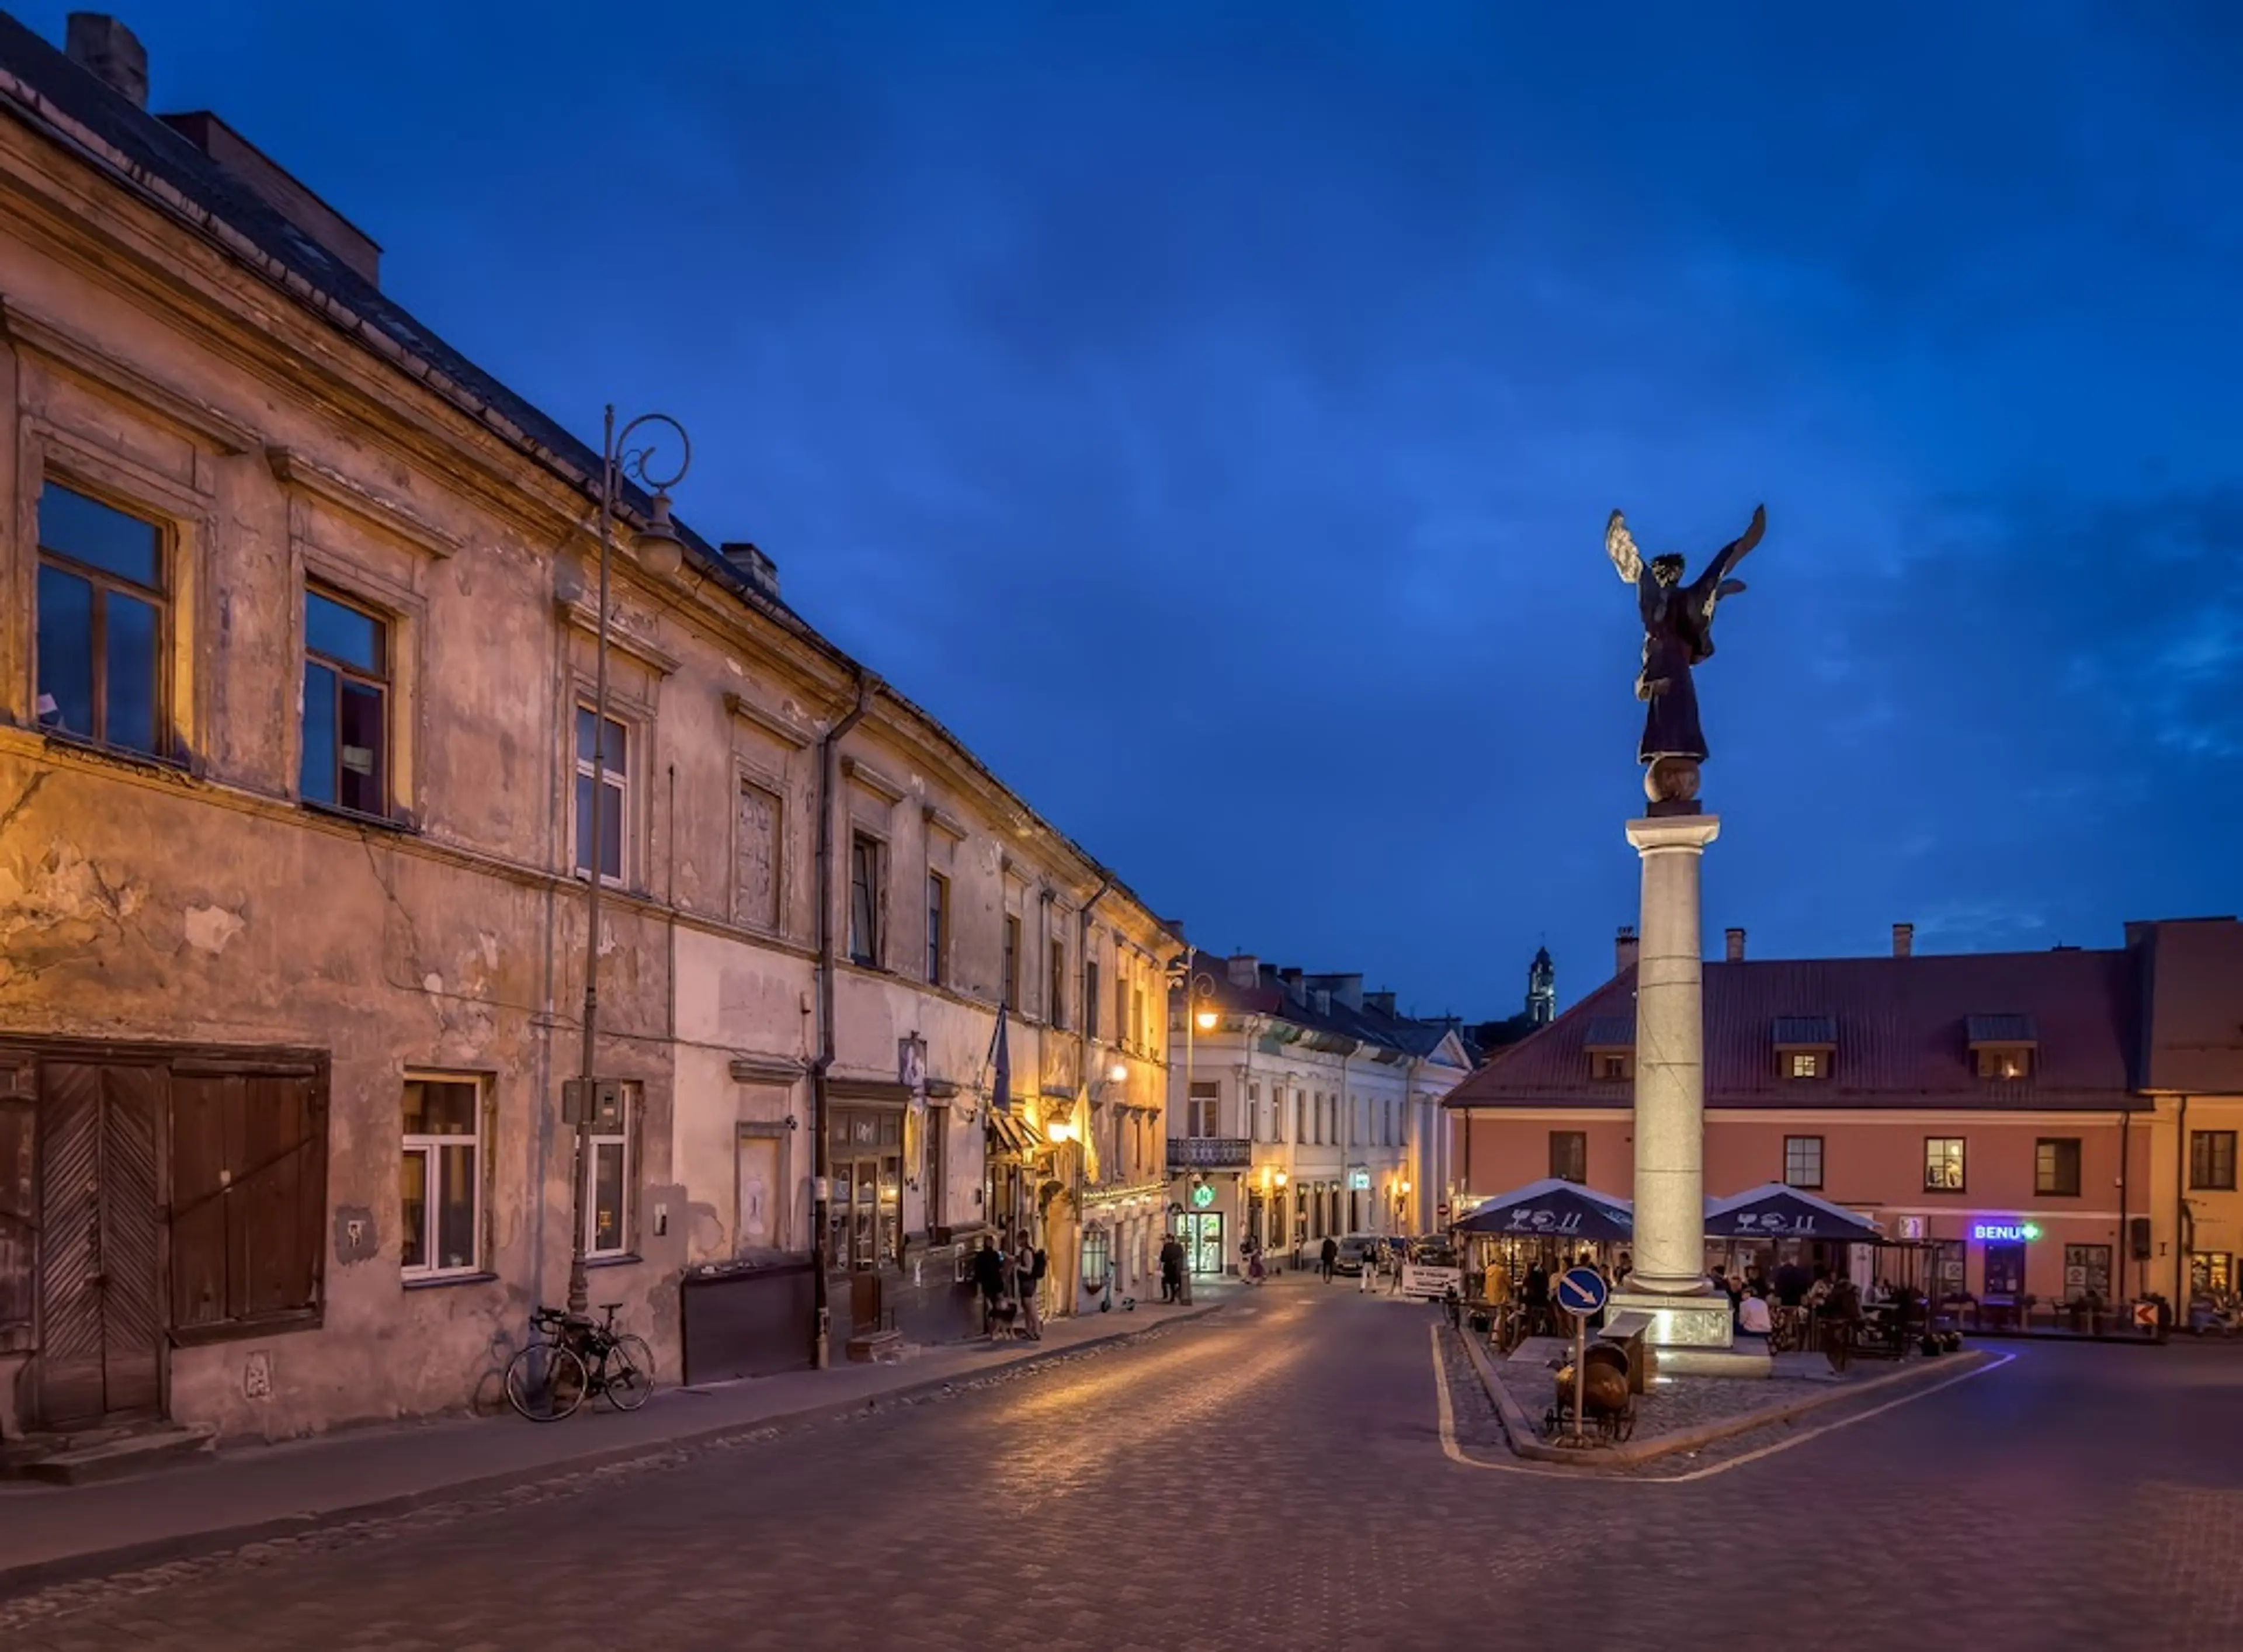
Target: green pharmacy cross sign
1202,1196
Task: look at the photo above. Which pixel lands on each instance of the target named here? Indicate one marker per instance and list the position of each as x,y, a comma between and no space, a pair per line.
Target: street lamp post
660,552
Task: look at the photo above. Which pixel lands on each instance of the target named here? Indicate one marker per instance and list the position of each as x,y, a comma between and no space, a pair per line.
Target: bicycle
575,1357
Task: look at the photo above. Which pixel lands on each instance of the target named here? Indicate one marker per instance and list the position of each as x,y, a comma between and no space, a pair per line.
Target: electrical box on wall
606,1103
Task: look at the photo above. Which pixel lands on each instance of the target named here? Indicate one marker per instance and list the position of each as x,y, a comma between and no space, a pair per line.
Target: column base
1678,1323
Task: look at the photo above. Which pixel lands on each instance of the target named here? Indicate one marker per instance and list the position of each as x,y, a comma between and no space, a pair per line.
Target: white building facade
1301,1107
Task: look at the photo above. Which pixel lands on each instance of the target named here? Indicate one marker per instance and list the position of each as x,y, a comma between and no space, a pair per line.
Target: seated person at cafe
1753,1317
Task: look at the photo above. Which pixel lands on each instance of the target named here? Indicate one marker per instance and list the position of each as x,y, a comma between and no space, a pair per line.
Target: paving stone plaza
1285,1474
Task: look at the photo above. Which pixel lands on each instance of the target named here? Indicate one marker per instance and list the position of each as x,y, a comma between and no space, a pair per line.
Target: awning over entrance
1012,1135
1775,1211
1555,1210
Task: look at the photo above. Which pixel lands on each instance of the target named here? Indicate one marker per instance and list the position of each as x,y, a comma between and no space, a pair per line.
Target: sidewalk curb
90,1564
1519,1434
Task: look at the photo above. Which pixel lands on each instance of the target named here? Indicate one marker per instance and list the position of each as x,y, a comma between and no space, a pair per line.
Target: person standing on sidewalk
1029,1264
1368,1277
989,1278
1329,1258
1172,1269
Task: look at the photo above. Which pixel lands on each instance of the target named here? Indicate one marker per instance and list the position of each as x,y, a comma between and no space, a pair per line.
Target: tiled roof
1806,1032
1403,1034
1901,1026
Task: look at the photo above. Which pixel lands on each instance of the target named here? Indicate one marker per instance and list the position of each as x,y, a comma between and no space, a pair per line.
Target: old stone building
295,742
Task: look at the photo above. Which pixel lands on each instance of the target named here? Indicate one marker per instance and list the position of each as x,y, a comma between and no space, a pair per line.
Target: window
2211,1271
440,1191
2086,1272
1008,981
1806,1064
1943,1164
1120,1002
1300,1116
607,1218
1090,997
612,755
101,605
1137,1018
1569,1155
864,1149
864,899
1256,1126
1997,1060
2212,1159
248,1199
1199,1117
346,707
2056,1165
756,857
938,927
1056,989
1608,1064
1802,1161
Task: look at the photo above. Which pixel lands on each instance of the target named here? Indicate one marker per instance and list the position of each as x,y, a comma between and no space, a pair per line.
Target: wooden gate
101,1321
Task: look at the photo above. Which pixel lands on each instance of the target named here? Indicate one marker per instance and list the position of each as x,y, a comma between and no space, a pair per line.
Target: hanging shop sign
1202,1196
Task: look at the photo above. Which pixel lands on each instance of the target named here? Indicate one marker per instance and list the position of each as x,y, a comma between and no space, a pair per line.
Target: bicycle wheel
545,1382
628,1373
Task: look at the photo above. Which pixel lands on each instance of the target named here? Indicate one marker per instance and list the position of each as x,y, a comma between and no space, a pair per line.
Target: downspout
2181,1236
828,795
1421,1180
2125,1227
1071,1274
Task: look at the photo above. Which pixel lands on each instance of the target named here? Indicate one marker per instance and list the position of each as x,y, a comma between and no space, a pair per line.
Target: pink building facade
2057,1125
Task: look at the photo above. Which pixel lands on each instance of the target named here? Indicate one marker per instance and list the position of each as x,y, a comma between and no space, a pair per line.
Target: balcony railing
1210,1152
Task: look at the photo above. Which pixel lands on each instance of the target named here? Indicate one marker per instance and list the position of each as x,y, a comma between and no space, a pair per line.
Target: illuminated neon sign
2004,1232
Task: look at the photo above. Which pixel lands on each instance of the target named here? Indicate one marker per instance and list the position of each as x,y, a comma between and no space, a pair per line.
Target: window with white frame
608,1214
441,1181
612,757
1802,1161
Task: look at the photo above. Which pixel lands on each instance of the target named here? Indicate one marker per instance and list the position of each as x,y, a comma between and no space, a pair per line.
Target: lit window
346,719
1943,1164
2005,1062
612,757
1805,1063
440,1185
2056,1165
101,613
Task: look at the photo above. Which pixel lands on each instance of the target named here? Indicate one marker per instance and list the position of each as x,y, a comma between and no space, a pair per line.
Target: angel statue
1678,633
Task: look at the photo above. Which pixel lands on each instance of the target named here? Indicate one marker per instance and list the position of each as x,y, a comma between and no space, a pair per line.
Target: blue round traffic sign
1581,1290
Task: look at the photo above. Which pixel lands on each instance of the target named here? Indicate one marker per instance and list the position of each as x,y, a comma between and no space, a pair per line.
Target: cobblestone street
1276,1476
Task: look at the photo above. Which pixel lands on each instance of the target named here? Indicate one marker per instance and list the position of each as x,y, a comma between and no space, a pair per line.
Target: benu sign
2004,1232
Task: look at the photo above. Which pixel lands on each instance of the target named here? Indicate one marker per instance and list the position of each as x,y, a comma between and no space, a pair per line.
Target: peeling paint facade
280,1132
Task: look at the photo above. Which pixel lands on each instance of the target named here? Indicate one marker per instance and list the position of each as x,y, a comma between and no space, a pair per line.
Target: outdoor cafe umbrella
1552,1210
1776,1211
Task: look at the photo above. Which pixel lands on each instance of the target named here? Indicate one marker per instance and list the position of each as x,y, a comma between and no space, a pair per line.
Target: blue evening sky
1211,413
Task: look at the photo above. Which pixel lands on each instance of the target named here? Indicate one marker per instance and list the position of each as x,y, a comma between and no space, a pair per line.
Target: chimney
748,559
1244,969
110,53
1290,981
1624,949
1380,1003
1903,940
1344,989
1736,948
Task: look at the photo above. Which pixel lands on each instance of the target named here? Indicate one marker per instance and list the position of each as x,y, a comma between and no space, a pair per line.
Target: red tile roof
1901,1026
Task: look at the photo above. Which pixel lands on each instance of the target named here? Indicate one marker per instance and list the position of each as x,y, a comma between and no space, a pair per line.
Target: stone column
1669,1250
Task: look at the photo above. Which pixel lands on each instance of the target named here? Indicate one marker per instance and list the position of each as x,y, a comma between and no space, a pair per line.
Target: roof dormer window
1610,1044
1804,1047
2002,1047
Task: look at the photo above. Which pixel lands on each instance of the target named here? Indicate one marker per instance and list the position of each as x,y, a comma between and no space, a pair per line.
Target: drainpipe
1424,1178
829,761
1071,1273
2181,1236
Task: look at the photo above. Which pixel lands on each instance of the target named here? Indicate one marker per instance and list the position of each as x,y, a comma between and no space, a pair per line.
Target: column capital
1688,833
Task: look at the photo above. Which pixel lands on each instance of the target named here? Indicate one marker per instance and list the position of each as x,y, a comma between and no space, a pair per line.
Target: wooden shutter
248,1192
19,1222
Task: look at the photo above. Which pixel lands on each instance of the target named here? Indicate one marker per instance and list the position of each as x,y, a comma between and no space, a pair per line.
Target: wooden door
101,1326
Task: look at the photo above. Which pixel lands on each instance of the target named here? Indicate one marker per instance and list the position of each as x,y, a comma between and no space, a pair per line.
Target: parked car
1354,1250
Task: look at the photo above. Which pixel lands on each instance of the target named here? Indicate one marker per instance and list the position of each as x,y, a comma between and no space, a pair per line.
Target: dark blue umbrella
1775,1211
1553,1209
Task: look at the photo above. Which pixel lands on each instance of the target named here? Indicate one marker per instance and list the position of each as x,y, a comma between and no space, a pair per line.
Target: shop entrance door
1203,1241
2005,1272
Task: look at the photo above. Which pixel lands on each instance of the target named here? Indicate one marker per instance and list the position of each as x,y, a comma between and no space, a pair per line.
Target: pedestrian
989,1279
1028,1267
1538,1300
1369,1275
1330,1254
1842,1316
1397,1259
1172,1269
